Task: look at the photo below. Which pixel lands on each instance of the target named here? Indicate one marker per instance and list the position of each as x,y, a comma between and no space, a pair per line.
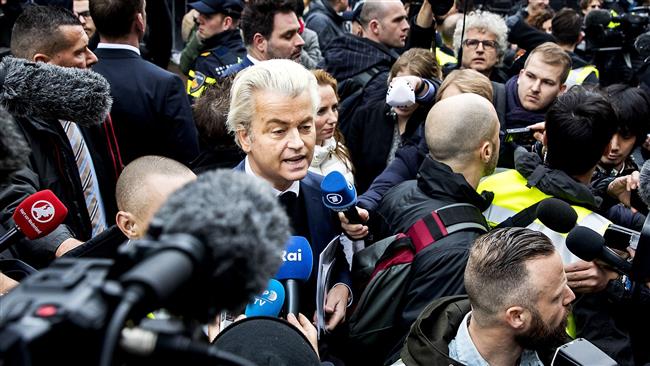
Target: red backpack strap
426,231
399,251
444,221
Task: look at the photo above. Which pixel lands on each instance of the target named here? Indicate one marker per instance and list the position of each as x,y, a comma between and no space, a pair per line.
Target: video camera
606,31
63,314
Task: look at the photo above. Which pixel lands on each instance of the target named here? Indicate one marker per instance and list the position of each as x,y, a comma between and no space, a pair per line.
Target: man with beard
462,133
579,126
270,30
519,300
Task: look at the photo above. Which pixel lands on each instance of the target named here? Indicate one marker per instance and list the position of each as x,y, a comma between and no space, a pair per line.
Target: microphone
36,216
598,18
40,90
588,245
220,240
269,303
557,215
14,151
298,262
340,195
554,213
642,45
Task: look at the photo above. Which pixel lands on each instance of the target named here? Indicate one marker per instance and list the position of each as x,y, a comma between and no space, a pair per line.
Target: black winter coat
437,270
52,166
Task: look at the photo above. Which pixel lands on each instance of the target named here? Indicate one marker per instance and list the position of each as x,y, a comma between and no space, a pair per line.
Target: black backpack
381,270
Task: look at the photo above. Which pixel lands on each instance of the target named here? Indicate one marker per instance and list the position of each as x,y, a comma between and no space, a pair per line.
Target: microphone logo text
292,256
42,211
334,198
267,296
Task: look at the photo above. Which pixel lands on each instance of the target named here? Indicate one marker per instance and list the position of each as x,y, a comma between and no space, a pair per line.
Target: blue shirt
463,350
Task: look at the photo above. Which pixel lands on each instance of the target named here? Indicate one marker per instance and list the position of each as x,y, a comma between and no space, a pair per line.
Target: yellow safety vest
512,195
443,58
578,76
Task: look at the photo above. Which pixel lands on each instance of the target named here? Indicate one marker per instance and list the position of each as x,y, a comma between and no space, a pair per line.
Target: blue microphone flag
338,194
297,260
269,303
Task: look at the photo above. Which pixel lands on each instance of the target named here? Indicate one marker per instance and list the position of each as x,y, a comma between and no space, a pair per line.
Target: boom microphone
588,245
298,262
340,195
40,90
221,239
14,151
36,216
269,303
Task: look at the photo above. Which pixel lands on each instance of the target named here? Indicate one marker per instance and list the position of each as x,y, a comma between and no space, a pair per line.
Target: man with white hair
483,44
272,109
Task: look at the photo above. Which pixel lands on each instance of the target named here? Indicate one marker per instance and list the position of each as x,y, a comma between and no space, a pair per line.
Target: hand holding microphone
36,216
340,196
305,327
587,276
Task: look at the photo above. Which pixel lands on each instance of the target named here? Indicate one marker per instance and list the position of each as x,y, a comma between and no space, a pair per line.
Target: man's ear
41,57
562,89
227,22
486,151
127,224
260,43
140,23
373,27
517,317
244,138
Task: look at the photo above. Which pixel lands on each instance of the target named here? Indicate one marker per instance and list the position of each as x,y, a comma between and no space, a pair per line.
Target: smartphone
521,136
620,238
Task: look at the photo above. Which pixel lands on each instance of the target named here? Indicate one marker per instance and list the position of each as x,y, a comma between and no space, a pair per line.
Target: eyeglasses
487,44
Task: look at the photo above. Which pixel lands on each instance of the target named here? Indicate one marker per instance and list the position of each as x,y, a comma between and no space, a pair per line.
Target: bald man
143,187
462,133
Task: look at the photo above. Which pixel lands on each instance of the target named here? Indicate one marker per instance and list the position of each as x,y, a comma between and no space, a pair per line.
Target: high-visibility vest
577,76
443,58
512,195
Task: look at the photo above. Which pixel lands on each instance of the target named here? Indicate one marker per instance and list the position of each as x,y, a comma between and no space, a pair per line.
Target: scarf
516,115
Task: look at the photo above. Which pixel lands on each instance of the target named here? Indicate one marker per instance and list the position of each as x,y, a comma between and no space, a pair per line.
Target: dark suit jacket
151,112
323,227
